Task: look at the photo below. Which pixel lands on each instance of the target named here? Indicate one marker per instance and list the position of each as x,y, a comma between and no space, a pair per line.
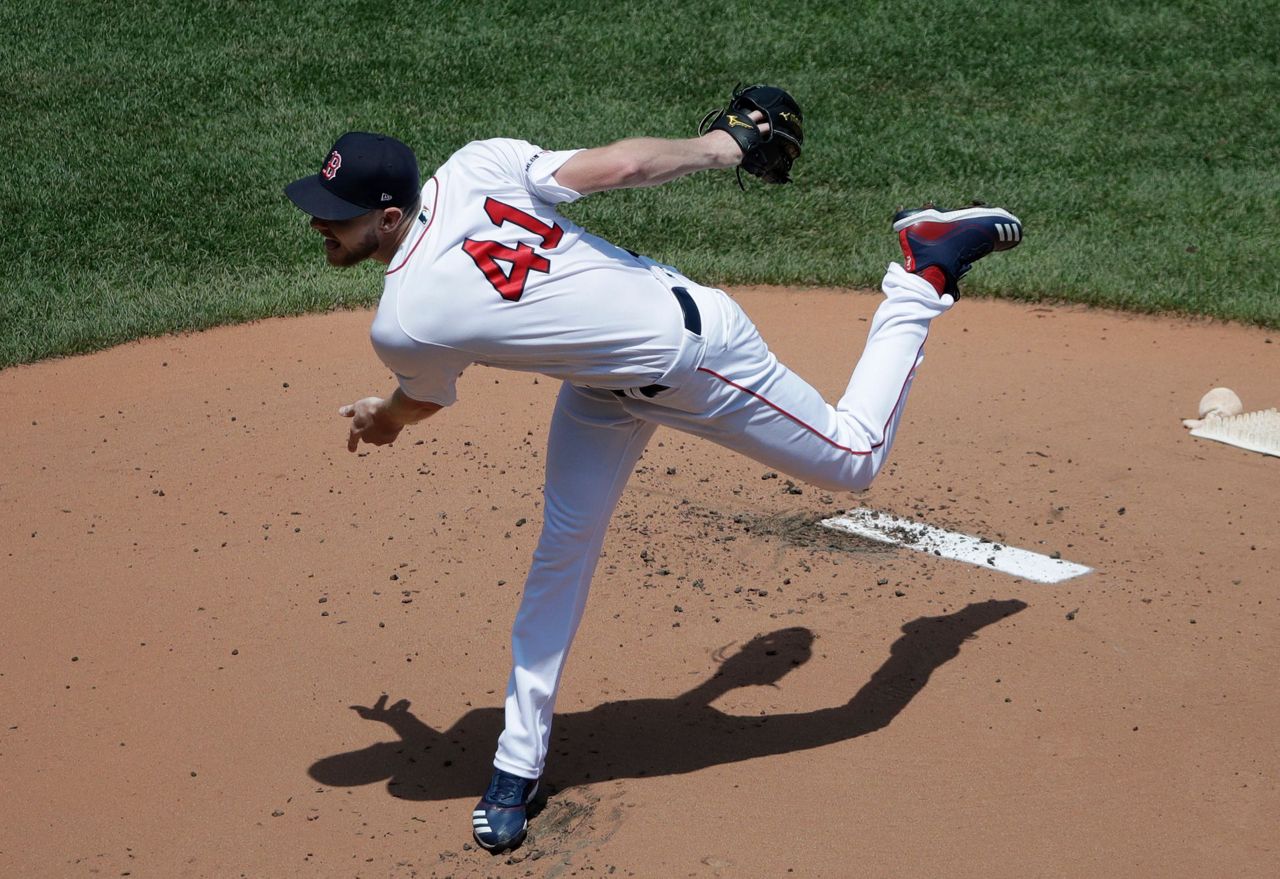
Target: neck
387,251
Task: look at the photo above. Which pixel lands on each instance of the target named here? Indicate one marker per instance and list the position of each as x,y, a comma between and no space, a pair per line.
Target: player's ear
390,219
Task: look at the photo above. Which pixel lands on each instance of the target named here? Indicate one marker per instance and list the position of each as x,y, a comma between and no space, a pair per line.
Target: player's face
347,242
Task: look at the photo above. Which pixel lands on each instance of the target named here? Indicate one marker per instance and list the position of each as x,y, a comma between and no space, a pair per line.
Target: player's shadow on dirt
646,737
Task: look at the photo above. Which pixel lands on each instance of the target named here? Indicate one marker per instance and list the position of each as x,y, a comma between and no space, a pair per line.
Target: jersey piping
819,434
435,200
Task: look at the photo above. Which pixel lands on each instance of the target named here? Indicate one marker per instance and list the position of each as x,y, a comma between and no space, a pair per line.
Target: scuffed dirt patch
804,529
569,822
799,528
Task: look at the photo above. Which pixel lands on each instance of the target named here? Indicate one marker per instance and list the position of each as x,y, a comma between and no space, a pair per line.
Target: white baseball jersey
491,273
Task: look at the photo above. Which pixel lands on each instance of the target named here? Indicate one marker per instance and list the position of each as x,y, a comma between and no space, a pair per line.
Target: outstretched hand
369,422
380,711
766,124
757,118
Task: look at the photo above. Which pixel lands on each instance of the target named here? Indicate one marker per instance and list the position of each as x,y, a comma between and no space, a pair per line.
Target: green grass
146,143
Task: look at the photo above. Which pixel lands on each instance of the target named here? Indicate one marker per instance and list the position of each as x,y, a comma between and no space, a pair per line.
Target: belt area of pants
692,323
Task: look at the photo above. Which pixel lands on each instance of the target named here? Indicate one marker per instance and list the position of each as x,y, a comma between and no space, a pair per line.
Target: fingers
351,409
758,118
358,425
366,423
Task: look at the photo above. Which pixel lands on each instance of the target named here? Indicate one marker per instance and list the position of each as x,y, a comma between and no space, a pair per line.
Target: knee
563,532
856,473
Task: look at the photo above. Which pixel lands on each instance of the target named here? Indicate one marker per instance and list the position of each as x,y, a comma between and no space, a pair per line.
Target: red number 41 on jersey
523,259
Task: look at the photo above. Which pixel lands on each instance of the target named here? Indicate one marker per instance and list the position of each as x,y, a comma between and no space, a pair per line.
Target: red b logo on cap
330,169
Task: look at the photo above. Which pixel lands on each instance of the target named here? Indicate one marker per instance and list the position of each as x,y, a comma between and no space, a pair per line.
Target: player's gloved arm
378,422
647,161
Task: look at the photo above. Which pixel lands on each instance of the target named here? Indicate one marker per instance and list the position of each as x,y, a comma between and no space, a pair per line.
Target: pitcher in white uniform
481,268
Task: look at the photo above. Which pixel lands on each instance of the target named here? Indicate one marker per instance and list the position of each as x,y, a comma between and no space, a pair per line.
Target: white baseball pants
741,397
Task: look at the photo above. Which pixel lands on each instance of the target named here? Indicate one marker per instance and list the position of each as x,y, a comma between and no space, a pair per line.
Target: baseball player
482,268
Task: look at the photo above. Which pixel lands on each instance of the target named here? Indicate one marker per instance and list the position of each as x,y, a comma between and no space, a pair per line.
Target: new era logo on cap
377,171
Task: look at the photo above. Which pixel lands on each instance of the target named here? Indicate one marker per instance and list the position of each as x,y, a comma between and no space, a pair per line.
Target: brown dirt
201,583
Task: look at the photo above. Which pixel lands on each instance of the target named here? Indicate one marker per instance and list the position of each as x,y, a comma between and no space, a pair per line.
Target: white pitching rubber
953,545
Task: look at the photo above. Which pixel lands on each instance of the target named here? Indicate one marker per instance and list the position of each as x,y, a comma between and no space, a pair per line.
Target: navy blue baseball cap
363,172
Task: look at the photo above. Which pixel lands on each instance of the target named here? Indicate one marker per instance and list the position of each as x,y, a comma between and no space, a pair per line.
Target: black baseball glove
768,156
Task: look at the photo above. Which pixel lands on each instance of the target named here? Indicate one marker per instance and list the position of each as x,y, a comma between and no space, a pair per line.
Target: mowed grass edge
149,143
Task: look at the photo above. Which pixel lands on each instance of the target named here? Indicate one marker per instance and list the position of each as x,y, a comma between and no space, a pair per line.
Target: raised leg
742,397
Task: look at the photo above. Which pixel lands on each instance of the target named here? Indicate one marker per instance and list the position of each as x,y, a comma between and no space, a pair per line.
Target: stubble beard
345,257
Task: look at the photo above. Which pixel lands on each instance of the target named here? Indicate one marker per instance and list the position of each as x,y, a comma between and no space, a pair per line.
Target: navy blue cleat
954,240
500,819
